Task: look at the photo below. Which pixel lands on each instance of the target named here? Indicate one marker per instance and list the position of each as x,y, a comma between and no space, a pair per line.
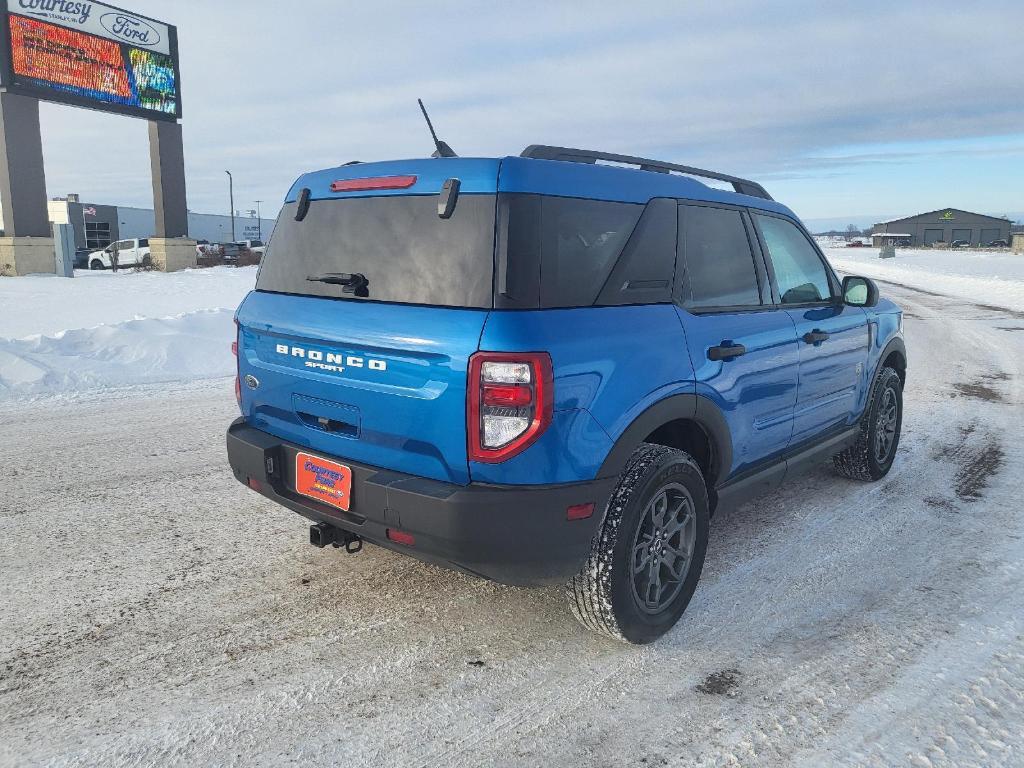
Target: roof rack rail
544,152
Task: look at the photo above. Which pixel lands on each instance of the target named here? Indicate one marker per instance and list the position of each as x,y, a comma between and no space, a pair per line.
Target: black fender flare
895,344
692,407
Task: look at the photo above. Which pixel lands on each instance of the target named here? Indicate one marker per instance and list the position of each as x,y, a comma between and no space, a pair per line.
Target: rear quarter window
559,251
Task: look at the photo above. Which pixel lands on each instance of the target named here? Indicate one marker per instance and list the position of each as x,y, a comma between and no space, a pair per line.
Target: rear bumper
512,534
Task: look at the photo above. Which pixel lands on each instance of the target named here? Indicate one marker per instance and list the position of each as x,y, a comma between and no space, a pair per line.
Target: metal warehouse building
943,226
96,226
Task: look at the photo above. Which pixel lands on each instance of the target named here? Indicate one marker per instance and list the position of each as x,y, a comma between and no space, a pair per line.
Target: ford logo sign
130,28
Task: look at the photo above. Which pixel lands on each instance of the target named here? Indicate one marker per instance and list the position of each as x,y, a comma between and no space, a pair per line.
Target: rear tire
871,457
96,264
649,552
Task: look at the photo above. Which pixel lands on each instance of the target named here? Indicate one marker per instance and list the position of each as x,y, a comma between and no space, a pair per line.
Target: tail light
234,351
509,403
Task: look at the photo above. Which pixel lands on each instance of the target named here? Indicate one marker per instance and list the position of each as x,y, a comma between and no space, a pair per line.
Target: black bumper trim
512,534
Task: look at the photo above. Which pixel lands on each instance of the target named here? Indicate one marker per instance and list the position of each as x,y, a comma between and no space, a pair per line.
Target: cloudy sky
842,109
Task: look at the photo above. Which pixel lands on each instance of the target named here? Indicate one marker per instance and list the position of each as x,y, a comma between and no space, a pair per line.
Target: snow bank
102,330
48,304
989,277
195,345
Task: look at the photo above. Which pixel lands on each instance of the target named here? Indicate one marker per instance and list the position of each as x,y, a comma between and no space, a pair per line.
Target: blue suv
553,368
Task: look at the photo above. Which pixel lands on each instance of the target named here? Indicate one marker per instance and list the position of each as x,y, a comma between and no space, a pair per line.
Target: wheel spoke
642,554
676,561
653,584
660,509
677,525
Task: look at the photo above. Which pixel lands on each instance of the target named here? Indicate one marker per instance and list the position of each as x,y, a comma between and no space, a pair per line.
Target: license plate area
324,480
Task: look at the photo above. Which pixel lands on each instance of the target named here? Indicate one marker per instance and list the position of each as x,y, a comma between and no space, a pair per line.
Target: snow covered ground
993,277
101,329
153,611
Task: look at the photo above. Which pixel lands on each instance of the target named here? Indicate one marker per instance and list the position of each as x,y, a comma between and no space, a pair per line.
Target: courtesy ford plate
326,481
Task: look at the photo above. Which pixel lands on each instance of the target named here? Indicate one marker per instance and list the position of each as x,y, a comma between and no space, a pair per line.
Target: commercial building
945,225
96,226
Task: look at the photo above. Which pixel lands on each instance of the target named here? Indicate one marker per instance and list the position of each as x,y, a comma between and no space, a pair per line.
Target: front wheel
95,264
871,457
648,555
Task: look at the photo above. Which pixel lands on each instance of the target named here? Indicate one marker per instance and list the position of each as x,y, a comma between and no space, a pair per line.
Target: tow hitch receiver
322,534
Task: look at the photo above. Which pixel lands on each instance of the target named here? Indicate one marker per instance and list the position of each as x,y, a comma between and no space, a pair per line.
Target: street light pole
259,220
231,193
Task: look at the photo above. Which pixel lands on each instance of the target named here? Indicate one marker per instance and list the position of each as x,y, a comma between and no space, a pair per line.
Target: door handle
815,337
726,351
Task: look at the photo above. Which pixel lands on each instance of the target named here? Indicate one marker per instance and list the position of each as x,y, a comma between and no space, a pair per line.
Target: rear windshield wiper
351,282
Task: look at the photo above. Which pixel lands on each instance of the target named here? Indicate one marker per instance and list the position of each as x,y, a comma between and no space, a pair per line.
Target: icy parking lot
156,612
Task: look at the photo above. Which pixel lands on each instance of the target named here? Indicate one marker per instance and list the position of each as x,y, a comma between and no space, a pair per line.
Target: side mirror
859,291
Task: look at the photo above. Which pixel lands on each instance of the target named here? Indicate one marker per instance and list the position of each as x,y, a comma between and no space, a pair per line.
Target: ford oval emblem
130,28
251,381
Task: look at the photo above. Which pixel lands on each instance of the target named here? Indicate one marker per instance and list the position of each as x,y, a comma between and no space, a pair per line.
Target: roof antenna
443,150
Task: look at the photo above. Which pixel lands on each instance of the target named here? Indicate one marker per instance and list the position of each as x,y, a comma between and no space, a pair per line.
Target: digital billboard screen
90,55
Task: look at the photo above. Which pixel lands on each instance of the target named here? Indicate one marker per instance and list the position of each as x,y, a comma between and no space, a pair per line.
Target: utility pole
259,220
231,194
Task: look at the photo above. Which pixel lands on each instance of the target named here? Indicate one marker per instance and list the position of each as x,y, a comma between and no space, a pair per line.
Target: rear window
406,252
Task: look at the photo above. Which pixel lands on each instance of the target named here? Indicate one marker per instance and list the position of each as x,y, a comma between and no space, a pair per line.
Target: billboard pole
167,161
27,245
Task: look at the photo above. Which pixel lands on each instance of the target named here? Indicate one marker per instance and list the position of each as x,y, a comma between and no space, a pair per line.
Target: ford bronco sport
553,368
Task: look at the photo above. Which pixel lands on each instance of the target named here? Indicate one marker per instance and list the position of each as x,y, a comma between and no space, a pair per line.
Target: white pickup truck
129,254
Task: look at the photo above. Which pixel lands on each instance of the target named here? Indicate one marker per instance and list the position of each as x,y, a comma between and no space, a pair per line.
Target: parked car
856,244
231,251
82,258
256,246
960,244
999,244
130,253
543,369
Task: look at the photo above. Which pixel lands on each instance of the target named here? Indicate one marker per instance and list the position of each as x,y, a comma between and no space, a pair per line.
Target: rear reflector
401,537
579,511
376,182
255,484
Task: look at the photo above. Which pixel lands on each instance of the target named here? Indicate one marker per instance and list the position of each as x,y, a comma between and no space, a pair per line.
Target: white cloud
273,89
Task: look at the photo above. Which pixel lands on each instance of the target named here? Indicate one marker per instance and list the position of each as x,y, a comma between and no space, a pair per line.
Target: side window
646,267
719,263
144,243
799,272
559,251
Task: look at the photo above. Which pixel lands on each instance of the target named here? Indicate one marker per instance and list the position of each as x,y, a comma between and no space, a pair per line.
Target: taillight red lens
509,395
376,182
509,403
